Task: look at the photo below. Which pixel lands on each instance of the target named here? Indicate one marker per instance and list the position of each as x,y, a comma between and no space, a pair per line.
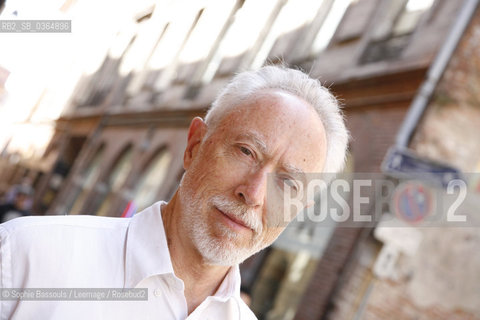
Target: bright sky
38,61
22,52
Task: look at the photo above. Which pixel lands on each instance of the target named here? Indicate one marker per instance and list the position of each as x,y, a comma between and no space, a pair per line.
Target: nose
252,190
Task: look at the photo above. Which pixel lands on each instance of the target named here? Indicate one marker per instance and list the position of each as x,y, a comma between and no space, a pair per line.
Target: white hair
247,84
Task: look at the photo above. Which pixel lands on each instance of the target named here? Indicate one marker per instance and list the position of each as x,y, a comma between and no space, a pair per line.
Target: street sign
413,202
405,164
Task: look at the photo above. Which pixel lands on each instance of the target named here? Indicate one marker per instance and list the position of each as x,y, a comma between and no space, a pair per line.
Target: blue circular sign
412,201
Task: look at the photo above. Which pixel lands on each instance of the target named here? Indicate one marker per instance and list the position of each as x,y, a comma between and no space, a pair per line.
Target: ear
196,133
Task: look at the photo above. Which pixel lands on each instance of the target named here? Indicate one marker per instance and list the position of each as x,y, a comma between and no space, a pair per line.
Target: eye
291,183
246,151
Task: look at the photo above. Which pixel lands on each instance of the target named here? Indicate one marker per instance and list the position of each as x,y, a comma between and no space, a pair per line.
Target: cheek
210,175
194,176
204,167
224,170
279,213
270,234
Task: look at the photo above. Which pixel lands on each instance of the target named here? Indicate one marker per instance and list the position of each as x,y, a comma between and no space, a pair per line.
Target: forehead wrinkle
257,139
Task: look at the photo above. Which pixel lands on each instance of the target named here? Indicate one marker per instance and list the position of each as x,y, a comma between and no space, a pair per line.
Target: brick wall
373,131
449,132
451,126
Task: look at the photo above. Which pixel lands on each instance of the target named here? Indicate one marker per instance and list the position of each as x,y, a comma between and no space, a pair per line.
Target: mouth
233,221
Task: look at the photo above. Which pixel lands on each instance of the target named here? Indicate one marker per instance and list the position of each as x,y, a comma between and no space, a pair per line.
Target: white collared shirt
100,252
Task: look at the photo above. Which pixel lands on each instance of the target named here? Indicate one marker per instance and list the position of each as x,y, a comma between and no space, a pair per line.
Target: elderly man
265,129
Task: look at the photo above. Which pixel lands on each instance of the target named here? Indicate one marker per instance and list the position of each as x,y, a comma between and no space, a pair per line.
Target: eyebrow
294,170
256,139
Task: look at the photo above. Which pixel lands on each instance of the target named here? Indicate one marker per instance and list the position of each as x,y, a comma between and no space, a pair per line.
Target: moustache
246,215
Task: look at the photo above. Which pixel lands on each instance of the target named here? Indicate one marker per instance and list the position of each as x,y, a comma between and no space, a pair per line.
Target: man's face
223,195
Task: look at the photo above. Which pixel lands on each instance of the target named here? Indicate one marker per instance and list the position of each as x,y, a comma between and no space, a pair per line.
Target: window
292,16
393,33
137,48
329,25
205,73
410,17
148,186
114,182
252,23
85,183
141,76
355,21
168,74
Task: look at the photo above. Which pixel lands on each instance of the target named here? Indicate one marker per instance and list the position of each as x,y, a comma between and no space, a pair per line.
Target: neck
201,279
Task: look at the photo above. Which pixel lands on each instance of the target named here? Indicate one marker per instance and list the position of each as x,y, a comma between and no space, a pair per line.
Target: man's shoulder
57,230
47,251
25,224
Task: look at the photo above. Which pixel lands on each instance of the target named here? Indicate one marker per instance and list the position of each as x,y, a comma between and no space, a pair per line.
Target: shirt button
157,292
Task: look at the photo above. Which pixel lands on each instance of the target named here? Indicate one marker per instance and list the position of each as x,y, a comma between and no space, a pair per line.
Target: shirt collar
146,251
230,285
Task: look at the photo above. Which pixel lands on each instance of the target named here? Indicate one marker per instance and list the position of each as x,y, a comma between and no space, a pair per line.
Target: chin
223,253
225,258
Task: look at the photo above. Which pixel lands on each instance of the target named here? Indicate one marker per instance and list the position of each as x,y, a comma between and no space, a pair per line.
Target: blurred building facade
122,133
3,78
